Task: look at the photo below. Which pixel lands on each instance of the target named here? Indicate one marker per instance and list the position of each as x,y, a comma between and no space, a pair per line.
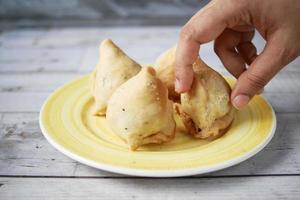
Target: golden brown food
139,111
206,110
164,66
113,69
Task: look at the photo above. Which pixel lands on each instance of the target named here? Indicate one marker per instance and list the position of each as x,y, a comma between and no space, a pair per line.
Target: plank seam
129,177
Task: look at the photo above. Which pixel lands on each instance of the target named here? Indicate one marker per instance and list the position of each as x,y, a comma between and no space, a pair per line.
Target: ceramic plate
67,122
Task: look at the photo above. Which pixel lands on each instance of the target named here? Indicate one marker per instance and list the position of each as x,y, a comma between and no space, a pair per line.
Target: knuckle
284,50
187,32
239,3
287,55
256,82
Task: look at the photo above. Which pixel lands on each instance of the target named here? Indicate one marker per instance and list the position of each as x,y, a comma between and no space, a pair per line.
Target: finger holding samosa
164,66
206,109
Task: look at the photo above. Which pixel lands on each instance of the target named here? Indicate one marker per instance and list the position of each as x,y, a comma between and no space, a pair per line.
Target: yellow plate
68,124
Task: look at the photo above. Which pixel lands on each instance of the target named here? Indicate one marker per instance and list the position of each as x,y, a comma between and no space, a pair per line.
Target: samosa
140,112
164,66
206,109
113,69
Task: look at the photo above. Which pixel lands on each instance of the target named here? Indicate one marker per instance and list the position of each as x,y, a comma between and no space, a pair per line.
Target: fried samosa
164,66
140,112
206,110
113,69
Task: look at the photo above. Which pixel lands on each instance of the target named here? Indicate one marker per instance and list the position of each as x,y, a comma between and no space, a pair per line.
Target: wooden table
33,62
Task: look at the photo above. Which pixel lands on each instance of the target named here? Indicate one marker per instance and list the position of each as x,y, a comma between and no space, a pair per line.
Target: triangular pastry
139,111
164,66
206,109
113,69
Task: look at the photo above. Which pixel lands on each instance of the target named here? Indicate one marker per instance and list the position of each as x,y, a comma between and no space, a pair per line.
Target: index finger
205,26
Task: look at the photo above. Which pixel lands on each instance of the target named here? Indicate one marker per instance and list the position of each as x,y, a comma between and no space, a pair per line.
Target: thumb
260,72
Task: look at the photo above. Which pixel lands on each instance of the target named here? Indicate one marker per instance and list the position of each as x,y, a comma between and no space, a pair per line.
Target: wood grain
32,101
34,62
151,189
285,82
24,151
75,49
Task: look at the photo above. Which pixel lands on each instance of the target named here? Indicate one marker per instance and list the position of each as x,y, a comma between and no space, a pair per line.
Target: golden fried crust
113,69
165,66
219,127
140,112
206,110
156,138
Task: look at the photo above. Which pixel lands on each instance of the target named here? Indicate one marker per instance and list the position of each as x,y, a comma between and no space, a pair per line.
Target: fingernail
240,101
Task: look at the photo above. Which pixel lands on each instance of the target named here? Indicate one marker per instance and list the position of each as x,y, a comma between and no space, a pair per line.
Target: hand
231,23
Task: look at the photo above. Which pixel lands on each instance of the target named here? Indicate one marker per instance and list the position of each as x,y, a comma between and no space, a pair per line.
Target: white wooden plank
24,151
39,59
284,102
151,189
20,38
34,82
76,48
63,50
142,45
22,102
122,35
32,101
44,37
285,82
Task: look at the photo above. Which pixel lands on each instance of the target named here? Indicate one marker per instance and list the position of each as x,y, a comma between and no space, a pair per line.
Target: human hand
231,23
